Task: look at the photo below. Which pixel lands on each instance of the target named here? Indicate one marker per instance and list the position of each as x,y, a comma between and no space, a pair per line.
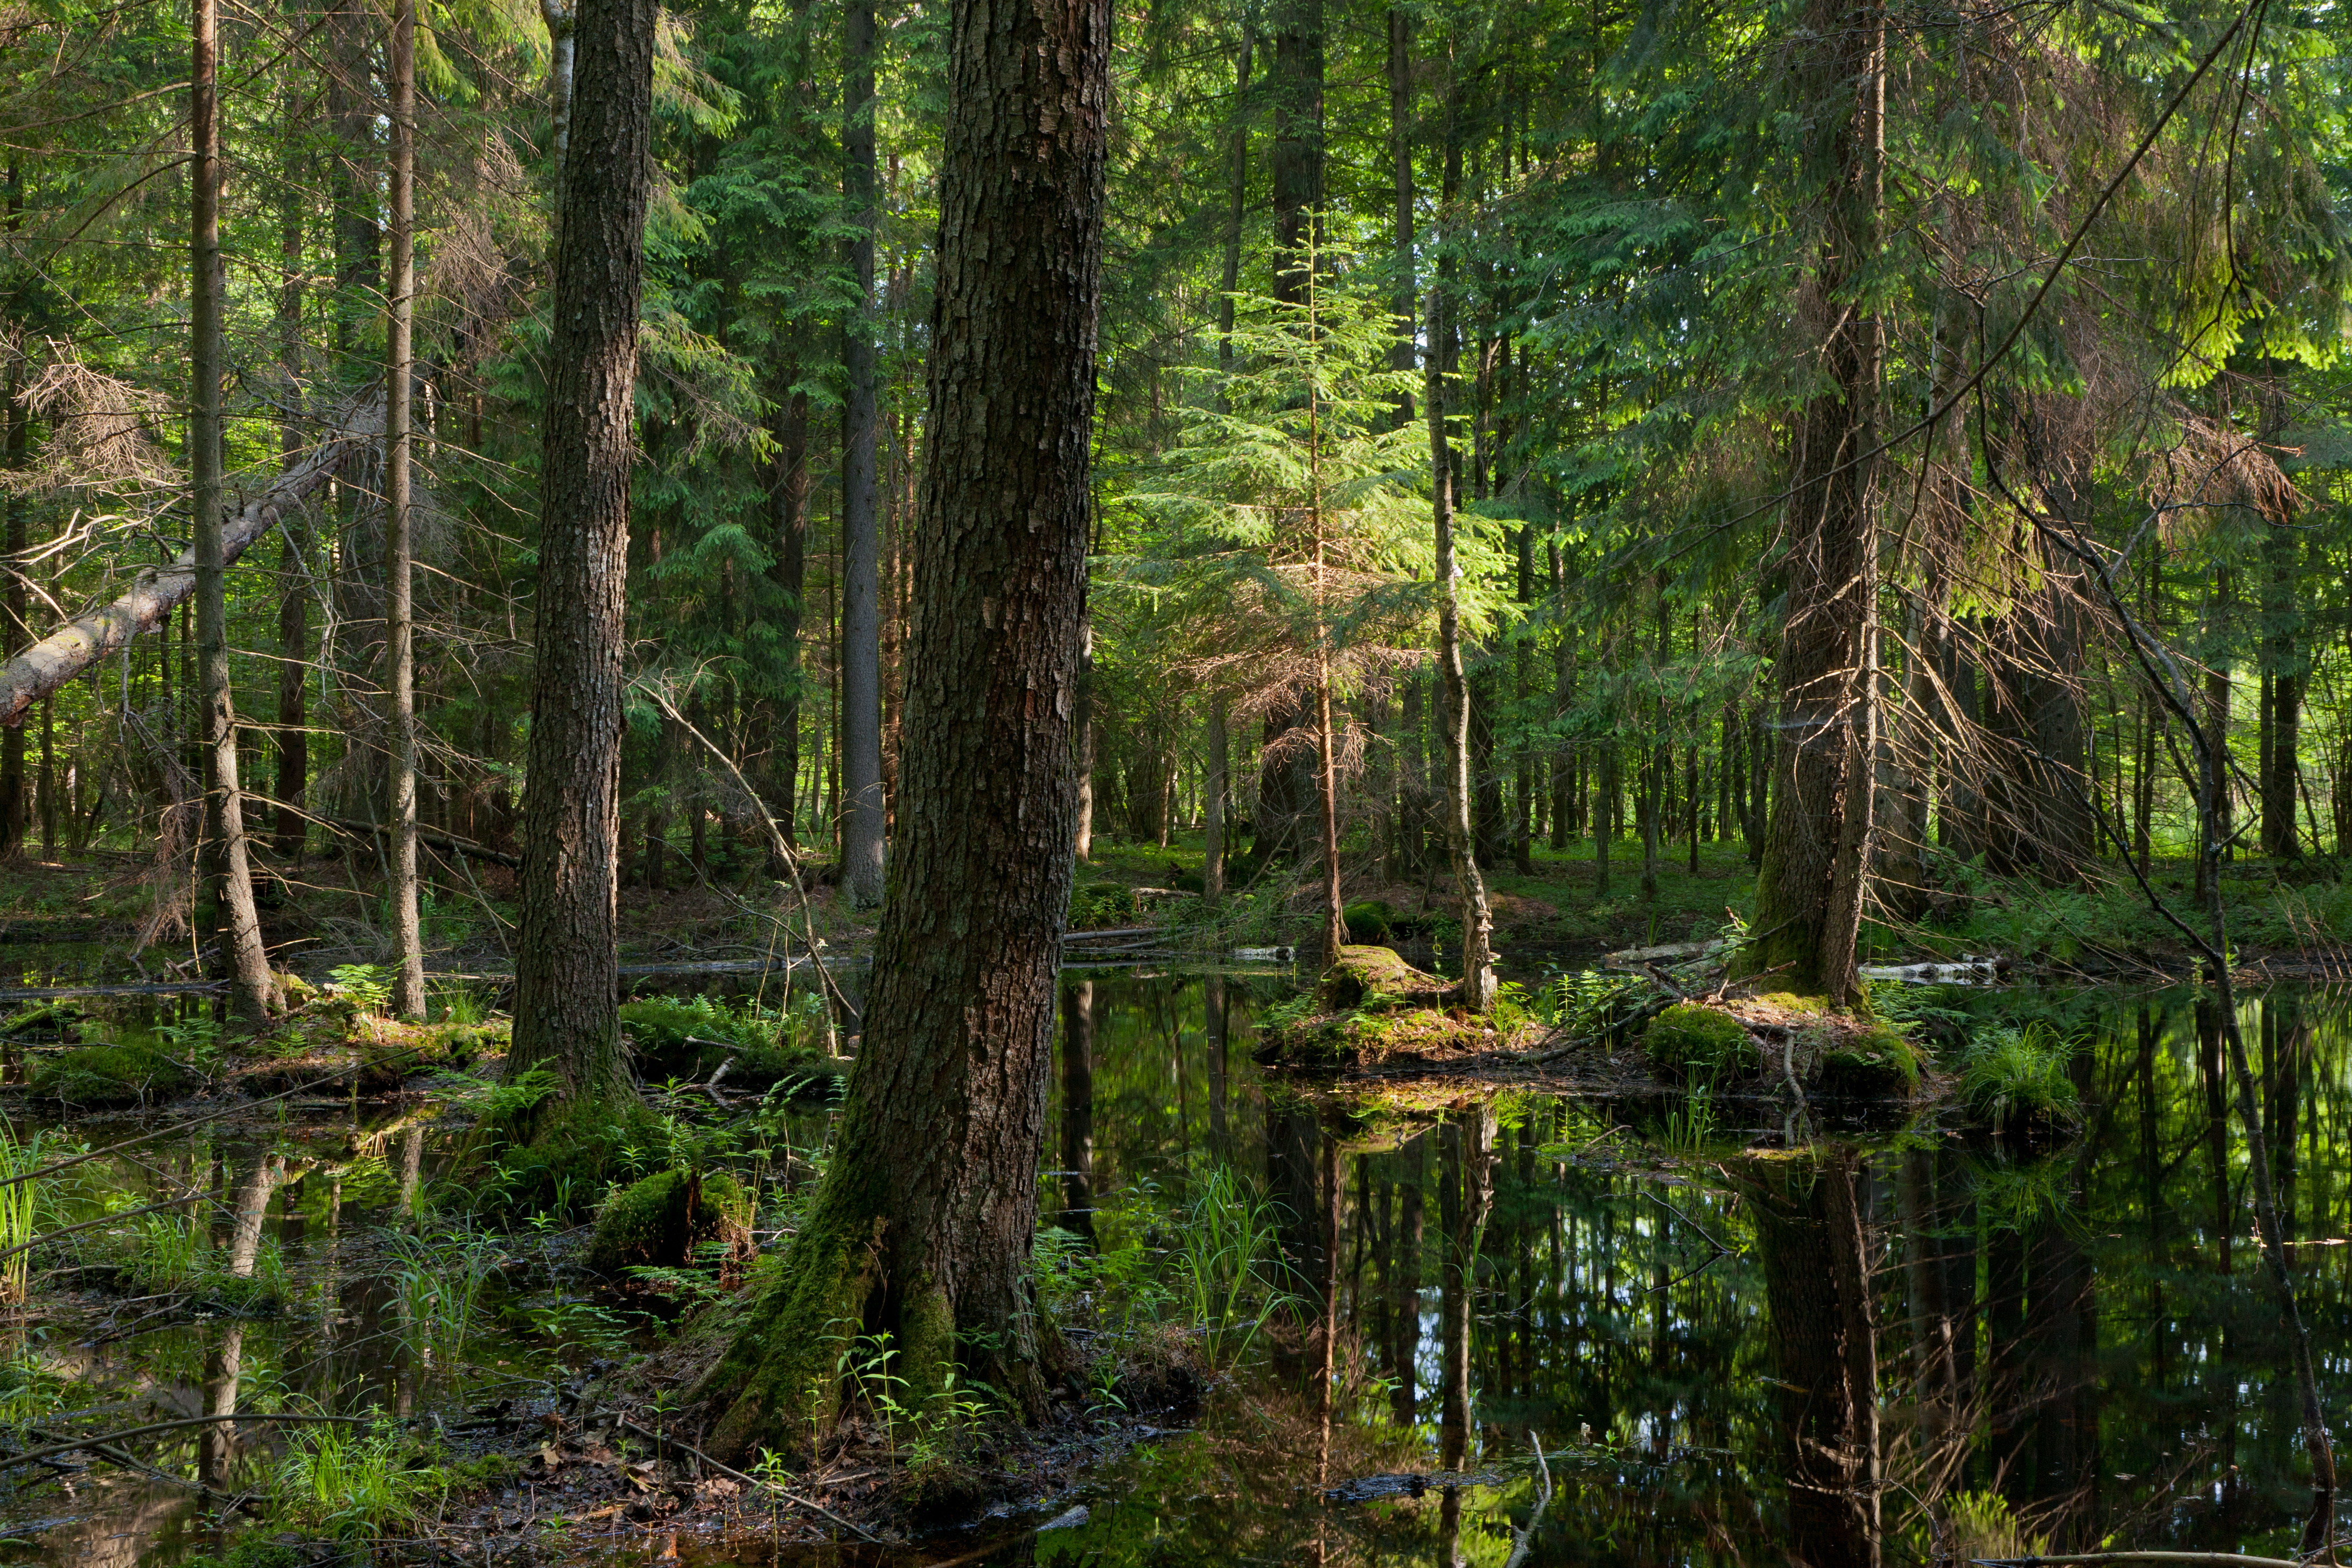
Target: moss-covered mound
680,1042
1377,979
1372,1007
1694,1042
134,1074
660,1221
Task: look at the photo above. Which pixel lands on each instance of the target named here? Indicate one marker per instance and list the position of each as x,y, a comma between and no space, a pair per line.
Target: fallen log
96,633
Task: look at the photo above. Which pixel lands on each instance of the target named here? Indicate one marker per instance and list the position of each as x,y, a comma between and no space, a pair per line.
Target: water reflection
1870,1351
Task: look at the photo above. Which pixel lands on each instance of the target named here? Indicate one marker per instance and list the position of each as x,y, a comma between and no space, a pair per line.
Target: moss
254,1551
660,1221
132,1074
392,1053
484,1473
676,1041
1869,1061
1699,1042
553,1161
1376,976
1370,920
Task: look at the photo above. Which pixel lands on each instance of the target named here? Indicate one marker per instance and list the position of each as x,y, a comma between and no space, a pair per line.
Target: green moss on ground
1377,978
131,1074
1699,1042
1871,1060
682,1042
660,1221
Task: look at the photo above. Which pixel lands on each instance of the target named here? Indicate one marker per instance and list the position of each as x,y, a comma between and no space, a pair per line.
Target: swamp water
2061,1345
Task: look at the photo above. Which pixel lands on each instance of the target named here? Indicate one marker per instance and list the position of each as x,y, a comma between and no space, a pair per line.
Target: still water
1889,1347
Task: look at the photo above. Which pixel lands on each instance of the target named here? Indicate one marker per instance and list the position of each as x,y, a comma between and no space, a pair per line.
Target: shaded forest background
2039,313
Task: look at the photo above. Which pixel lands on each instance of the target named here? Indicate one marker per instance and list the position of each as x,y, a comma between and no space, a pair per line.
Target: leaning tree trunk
227,867
1809,889
567,977
923,1224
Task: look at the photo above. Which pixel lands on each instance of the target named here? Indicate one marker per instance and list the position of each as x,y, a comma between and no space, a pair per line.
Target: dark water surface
1867,1348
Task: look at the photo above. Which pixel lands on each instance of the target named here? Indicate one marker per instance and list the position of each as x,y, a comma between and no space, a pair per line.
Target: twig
32,1455
750,1480
783,852
1526,1542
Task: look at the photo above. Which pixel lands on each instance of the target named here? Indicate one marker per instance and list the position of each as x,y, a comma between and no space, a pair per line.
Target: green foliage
341,1482
254,1551
364,987
1700,1043
1589,1001
660,1221
1101,905
2018,1077
684,1040
19,1204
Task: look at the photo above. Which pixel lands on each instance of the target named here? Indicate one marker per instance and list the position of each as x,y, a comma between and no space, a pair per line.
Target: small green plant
18,1200
344,1483
1225,1263
366,986
1693,1126
460,1003
194,1042
1700,1043
2013,1076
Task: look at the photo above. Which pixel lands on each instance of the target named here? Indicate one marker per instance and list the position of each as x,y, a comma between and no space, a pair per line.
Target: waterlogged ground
2064,1343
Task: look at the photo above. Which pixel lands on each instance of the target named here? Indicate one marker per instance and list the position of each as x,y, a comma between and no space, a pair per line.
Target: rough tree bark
399,620
1809,889
242,958
924,1223
861,510
567,980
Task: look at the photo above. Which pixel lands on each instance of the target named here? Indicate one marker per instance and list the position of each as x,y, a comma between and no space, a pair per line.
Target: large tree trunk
399,623
861,526
243,960
924,1223
567,980
1810,890
1817,1269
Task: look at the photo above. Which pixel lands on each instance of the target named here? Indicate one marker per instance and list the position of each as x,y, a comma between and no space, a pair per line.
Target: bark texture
861,500
1810,888
924,1224
567,980
244,961
399,618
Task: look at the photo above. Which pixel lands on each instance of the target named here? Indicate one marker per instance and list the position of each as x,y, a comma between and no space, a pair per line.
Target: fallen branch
1527,1539
433,836
768,1486
34,1456
95,634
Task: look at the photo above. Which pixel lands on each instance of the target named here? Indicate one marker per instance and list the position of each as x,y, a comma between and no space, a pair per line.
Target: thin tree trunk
923,1226
294,586
237,923
788,498
1212,865
399,623
567,980
863,823
1477,921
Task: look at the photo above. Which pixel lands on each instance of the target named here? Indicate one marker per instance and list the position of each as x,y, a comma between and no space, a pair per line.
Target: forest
858,781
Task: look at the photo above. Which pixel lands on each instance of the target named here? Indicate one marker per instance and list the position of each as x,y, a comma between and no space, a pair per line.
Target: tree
1810,891
922,1226
861,517
399,616
567,980
228,872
